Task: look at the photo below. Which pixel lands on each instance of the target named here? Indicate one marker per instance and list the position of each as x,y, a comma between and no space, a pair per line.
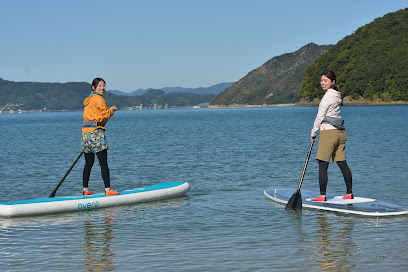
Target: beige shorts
332,144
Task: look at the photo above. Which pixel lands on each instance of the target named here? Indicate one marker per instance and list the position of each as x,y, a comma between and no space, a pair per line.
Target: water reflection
98,241
334,244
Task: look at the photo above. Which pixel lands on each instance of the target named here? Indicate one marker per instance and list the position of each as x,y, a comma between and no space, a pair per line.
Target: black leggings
323,178
103,162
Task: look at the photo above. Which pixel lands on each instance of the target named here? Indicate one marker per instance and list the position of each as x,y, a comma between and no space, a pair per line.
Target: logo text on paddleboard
88,205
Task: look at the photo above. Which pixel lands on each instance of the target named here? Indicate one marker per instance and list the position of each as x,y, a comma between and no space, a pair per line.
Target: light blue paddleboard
358,205
95,201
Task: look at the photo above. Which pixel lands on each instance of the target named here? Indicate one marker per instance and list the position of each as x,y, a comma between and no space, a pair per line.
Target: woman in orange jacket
96,115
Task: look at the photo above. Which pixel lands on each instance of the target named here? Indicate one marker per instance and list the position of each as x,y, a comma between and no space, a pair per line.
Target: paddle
69,170
295,202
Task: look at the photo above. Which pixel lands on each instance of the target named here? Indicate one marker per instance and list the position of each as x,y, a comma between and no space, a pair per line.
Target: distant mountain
215,89
137,92
117,92
276,82
370,64
70,96
154,93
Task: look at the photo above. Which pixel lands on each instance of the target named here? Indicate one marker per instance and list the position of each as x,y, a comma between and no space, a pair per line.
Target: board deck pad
358,205
341,201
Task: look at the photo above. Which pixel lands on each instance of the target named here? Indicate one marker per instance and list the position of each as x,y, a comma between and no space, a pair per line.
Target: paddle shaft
69,170
307,161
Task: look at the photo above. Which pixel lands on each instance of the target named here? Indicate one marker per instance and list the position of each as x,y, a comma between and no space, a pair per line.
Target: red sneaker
319,198
87,193
111,192
348,196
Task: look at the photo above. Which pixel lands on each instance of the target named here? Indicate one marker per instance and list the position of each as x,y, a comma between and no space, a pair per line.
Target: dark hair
330,74
96,81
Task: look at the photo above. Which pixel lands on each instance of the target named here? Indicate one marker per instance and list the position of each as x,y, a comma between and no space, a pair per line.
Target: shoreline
314,103
250,106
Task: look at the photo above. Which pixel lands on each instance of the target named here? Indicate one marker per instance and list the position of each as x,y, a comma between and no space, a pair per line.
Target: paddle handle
307,161
69,170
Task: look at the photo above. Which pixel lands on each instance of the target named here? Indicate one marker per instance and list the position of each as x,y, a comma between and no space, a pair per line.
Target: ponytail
337,88
330,74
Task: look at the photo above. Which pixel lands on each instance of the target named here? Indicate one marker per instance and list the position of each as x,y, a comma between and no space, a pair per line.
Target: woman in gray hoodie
333,135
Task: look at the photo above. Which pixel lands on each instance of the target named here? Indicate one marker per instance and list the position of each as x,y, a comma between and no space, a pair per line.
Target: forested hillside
371,63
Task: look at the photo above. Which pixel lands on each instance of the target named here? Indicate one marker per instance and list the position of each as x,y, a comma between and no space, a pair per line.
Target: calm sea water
229,157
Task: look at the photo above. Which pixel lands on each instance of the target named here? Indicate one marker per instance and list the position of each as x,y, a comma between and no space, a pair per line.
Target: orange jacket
97,111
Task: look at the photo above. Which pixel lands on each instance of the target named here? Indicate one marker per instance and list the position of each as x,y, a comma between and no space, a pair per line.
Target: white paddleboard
358,205
95,201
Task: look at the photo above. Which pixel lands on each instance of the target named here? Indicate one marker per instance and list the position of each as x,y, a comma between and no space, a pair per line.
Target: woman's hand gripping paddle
69,170
295,202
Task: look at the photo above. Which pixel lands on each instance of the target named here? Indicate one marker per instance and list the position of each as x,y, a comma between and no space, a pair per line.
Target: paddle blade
295,202
53,193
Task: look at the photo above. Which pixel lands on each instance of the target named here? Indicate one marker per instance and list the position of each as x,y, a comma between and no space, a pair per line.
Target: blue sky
166,43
